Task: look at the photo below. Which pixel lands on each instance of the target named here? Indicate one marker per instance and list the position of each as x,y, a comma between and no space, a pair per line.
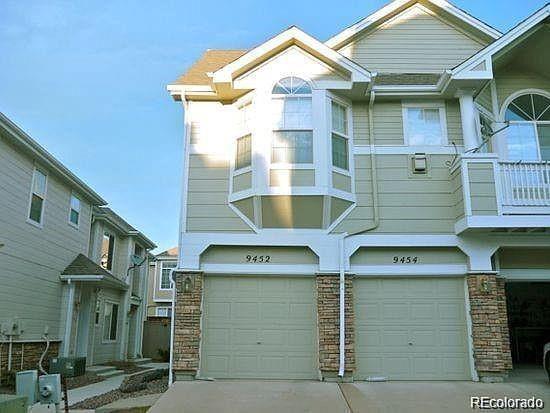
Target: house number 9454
262,259
405,260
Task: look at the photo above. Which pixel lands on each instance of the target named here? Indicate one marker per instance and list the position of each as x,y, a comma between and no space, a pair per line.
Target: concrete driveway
359,397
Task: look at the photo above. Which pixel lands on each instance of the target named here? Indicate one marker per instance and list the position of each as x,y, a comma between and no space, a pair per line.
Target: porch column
468,116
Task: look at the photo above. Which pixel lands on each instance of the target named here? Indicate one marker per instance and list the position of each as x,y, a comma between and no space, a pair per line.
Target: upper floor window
166,267
340,157
74,210
528,136
38,196
107,251
243,155
424,124
293,128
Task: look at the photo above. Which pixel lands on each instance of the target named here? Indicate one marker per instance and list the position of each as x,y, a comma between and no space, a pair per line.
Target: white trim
69,319
408,149
185,177
293,35
117,333
464,70
410,270
513,96
163,308
503,221
426,105
525,274
469,330
338,40
175,262
264,269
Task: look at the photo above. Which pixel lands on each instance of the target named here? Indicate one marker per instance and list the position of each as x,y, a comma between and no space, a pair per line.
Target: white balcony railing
525,184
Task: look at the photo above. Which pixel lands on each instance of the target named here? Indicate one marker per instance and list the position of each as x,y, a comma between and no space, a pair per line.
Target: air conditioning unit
68,366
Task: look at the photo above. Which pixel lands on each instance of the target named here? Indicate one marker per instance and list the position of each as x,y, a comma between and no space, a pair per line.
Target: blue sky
87,81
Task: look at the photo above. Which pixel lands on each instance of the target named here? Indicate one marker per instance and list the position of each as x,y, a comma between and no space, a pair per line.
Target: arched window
528,137
292,124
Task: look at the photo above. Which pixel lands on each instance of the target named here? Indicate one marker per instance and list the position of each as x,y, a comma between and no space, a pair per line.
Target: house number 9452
405,260
262,259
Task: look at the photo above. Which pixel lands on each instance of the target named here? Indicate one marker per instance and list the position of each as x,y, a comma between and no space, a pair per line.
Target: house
372,206
66,266
159,297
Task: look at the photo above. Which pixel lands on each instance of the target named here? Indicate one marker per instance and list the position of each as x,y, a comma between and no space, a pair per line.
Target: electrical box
49,389
13,404
26,383
68,366
11,327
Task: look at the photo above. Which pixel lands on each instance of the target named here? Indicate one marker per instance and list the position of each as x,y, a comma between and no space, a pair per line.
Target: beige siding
108,351
482,189
242,182
388,123
419,204
277,255
430,255
295,177
457,193
513,80
361,124
484,98
415,41
341,182
207,205
35,256
454,122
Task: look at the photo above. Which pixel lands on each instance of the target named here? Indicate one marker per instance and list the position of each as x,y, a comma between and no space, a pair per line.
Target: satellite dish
137,260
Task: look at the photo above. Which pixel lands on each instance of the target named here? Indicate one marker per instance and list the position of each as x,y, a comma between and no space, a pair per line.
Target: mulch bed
127,367
84,380
153,387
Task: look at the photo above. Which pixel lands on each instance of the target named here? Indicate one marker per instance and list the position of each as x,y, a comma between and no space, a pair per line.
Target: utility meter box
26,384
49,389
68,366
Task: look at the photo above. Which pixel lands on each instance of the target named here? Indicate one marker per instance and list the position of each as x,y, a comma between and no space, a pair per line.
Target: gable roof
480,64
210,61
291,36
16,135
396,7
107,214
84,269
172,252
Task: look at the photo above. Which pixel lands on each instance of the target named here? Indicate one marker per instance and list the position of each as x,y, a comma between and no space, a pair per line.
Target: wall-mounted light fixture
188,284
484,285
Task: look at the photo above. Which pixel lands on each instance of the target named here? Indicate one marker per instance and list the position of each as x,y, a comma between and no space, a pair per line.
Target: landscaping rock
138,381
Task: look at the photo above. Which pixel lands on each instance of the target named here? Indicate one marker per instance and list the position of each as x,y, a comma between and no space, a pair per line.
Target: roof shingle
210,61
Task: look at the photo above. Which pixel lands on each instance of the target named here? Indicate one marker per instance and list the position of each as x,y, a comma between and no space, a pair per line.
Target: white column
468,114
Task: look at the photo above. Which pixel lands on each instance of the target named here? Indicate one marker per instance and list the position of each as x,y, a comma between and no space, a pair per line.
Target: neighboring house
359,165
55,279
159,297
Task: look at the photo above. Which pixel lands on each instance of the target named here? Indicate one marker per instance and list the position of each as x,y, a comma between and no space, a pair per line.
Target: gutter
345,235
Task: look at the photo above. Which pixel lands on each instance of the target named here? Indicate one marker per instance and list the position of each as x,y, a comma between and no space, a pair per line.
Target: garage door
411,329
259,327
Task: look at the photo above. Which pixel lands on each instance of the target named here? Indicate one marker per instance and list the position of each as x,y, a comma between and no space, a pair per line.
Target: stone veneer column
328,317
187,326
489,326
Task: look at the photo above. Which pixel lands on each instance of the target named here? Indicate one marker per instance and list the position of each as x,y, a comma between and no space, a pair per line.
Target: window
164,312
292,124
110,322
107,250
74,210
243,157
528,136
340,156
166,267
97,311
38,196
424,125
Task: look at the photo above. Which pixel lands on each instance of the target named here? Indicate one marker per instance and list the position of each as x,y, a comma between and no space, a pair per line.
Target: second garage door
259,327
411,329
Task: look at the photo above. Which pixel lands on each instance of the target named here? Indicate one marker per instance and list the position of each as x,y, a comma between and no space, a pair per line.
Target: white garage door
411,329
259,327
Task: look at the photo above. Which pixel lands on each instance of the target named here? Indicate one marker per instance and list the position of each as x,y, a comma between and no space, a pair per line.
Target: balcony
498,196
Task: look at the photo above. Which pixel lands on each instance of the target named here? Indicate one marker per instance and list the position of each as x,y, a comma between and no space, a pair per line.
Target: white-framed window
165,268
292,122
110,321
243,153
339,136
97,313
528,136
107,251
37,197
163,312
74,210
424,124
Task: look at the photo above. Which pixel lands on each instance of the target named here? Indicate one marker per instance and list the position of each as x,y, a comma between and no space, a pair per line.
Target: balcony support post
468,118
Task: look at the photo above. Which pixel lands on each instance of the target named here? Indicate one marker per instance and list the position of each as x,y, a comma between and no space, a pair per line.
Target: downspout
342,240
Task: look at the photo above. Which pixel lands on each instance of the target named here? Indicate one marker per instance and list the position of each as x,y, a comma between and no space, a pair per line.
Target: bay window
339,137
424,124
243,156
292,125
